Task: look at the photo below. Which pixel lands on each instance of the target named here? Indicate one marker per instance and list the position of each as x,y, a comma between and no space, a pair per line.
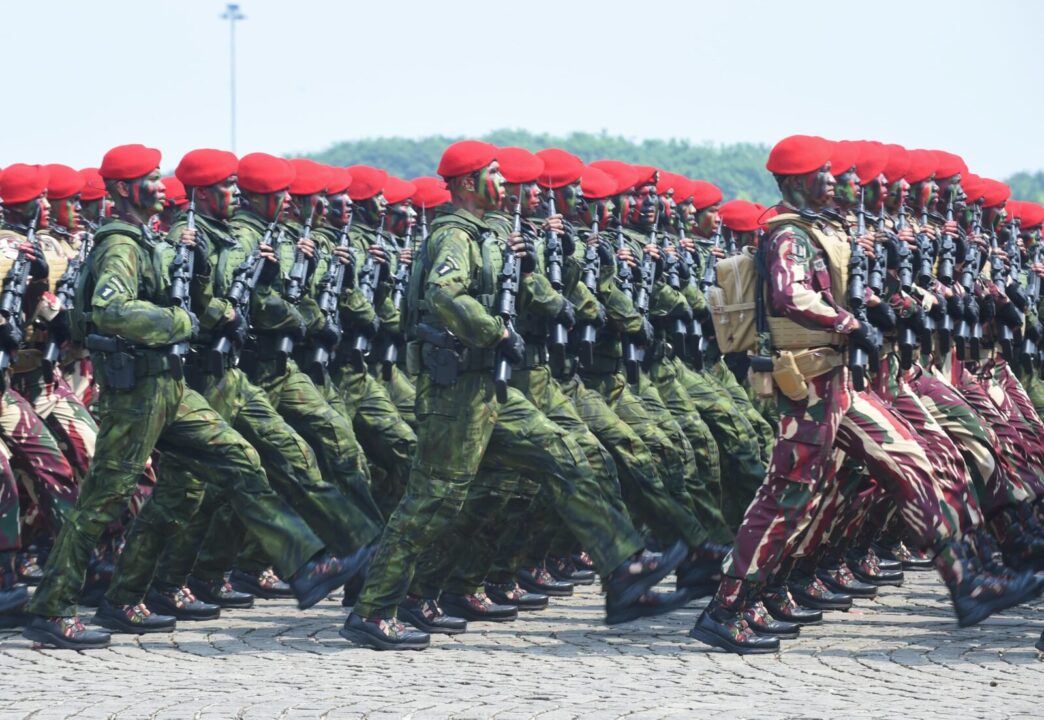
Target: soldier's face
271,205
530,194
309,207
489,186
372,209
96,210
569,199
898,194
819,187
599,211
950,190
876,191
148,193
340,209
646,208
846,189
401,218
220,200
667,209
625,204
707,220
25,212
67,212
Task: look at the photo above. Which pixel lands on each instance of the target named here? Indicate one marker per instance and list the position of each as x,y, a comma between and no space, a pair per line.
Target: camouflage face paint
67,212
532,197
924,194
401,217
148,193
370,210
568,199
898,195
597,210
225,198
340,209
489,185
846,189
647,207
625,206
309,207
875,193
707,220
821,187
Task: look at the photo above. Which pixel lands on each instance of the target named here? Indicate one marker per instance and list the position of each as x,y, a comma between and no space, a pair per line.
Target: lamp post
232,14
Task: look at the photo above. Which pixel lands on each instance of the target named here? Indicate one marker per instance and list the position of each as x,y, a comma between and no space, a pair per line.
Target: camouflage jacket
269,310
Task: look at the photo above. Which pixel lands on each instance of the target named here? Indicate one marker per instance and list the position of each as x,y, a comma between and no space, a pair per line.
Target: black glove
236,330
882,316
987,308
10,337
195,322
1017,296
606,253
528,262
567,315
971,309
864,337
683,271
954,306
568,240
1009,315
599,321
513,347
644,337
201,255
1033,331
269,273
329,335
58,328
682,311
38,267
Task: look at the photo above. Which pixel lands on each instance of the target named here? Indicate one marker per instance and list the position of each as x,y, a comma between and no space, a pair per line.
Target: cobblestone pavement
898,656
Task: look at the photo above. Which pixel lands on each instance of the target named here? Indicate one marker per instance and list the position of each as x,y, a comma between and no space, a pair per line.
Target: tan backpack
732,302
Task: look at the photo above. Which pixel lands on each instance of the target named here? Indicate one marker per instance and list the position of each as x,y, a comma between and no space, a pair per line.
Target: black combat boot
837,576
563,568
179,603
66,633
383,634
427,615
1023,548
220,593
865,565
537,579
650,604
133,619
812,593
782,606
323,574
477,607
512,594
977,594
265,584
701,570
635,577
13,595
722,624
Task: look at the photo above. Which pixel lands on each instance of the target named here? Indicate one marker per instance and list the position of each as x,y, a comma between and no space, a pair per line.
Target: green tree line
738,169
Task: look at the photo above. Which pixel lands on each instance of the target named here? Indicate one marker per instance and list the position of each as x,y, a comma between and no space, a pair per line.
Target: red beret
63,182
843,157
129,162
431,192
597,184
922,165
705,194
560,168
625,175
897,164
263,173
994,192
872,160
310,177
947,164
465,157
518,165
1013,210
684,189
741,215
366,181
646,174
671,182
973,187
20,183
338,180
799,154
93,187
203,167
176,193
397,190
1032,214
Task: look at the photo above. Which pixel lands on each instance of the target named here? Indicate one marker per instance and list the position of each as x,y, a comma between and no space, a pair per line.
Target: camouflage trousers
174,525
466,553
763,429
37,459
79,375
65,414
672,500
402,392
995,481
342,478
738,442
459,426
387,439
1034,388
161,412
804,466
10,512
1008,395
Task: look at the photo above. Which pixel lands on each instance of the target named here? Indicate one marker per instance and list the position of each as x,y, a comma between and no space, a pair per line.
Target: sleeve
116,309
791,285
211,310
446,287
666,302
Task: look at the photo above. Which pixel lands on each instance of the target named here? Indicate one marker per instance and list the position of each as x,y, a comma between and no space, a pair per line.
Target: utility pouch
413,358
116,364
788,378
760,374
440,354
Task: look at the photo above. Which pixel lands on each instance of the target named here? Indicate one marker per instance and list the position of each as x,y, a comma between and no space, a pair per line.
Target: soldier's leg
386,437
404,395
35,452
207,545
723,377
79,374
330,435
67,417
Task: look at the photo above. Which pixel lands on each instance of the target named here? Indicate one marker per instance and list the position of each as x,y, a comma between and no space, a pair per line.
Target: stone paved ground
899,656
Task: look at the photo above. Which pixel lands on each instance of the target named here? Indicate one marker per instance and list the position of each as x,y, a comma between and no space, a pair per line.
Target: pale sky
959,75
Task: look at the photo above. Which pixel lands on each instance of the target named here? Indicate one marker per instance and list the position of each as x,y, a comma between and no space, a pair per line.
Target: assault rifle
925,277
559,334
400,281
181,271
369,277
589,277
510,277
15,285
625,279
331,285
65,291
695,346
857,272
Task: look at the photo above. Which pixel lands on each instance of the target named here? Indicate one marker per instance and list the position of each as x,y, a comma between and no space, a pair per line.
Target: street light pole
232,14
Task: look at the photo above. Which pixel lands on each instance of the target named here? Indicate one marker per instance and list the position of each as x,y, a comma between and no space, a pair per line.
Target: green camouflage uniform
462,424
124,280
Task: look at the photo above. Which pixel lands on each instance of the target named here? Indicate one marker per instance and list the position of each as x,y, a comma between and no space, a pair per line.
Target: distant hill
738,169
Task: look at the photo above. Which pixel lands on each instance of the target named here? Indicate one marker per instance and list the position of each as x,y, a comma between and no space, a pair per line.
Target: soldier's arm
446,288
539,297
116,309
666,302
791,285
269,311
211,309
584,301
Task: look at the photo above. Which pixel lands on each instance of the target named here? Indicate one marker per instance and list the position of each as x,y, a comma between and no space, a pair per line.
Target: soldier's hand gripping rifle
969,330
587,331
13,294
1014,312
65,291
558,336
1028,355
947,257
909,327
400,281
509,280
672,274
694,347
926,277
296,281
625,281
182,268
331,286
710,270
369,278
858,357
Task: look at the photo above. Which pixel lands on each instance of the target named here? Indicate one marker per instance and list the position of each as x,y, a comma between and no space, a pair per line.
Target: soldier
805,265
13,594
460,420
124,309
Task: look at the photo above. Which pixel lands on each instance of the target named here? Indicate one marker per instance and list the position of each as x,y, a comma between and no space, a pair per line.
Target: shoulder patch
106,291
448,265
